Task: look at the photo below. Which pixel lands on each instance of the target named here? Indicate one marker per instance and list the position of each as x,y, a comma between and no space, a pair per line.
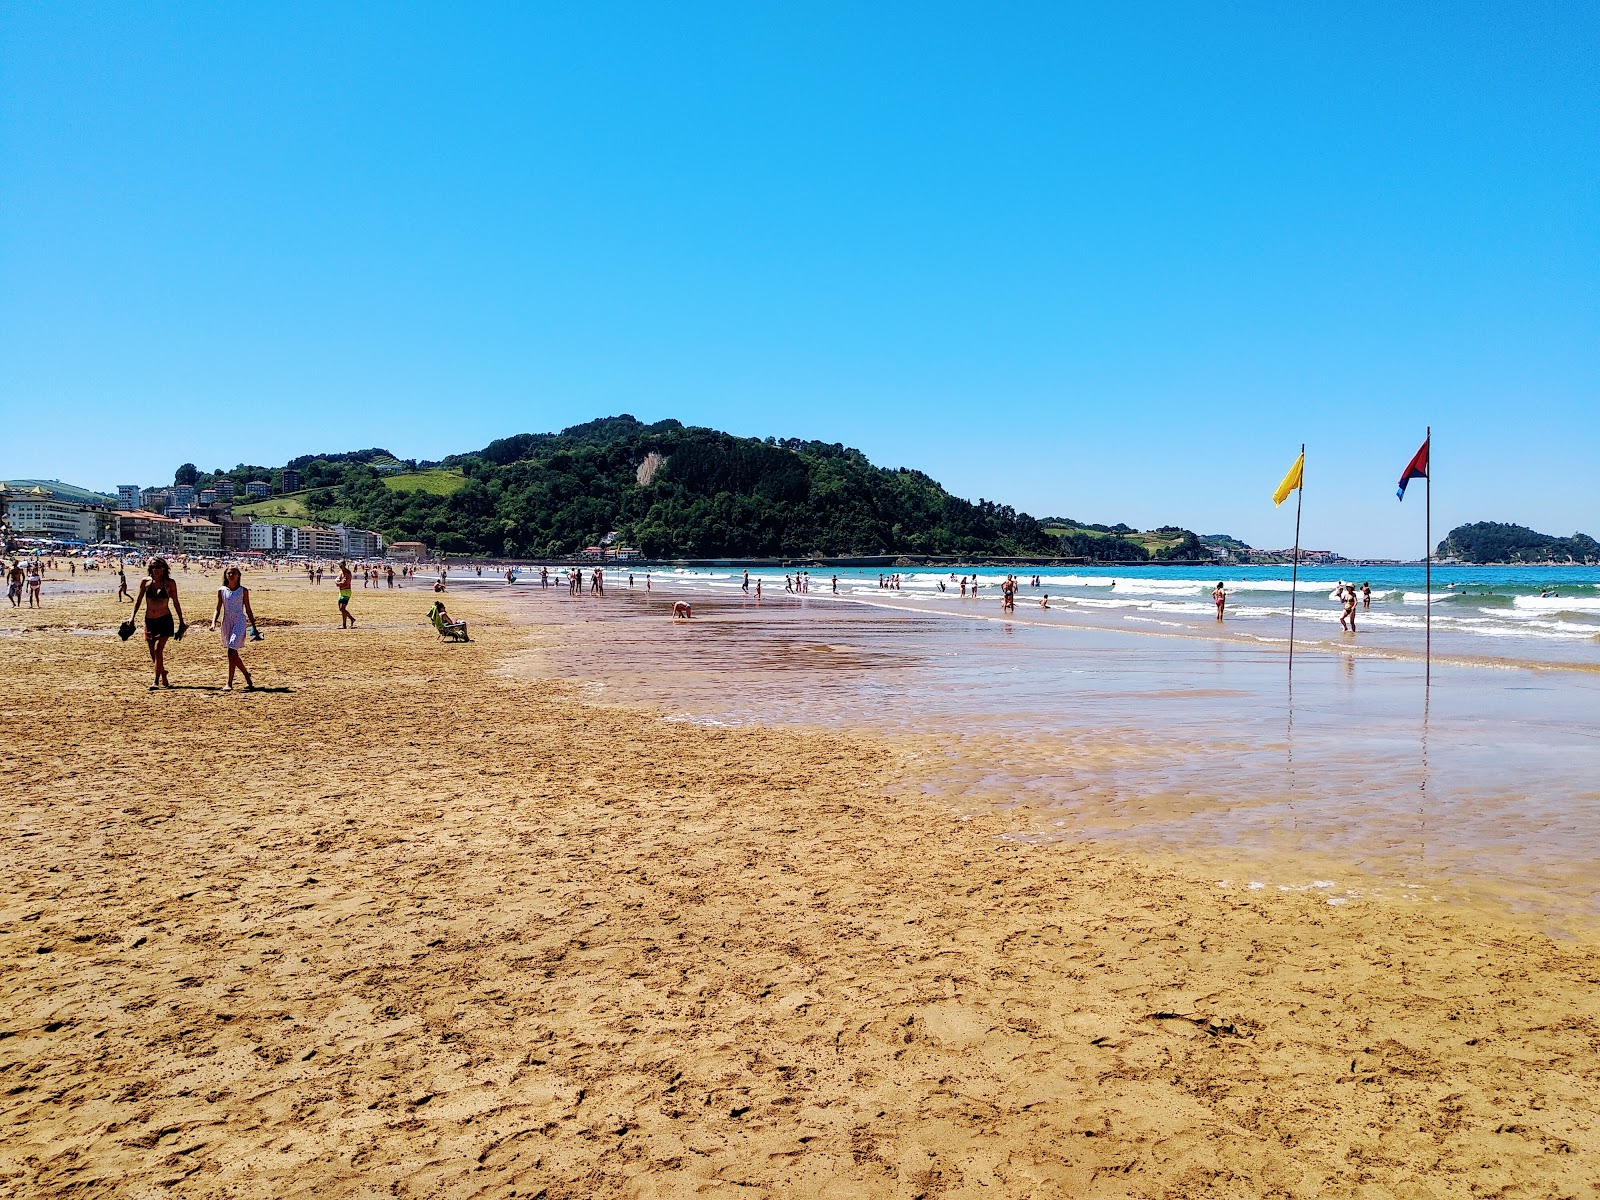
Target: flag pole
1427,577
1294,578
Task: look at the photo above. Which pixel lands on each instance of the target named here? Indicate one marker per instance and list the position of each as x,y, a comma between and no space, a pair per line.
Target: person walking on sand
159,595
35,582
236,620
345,580
14,579
1219,597
122,584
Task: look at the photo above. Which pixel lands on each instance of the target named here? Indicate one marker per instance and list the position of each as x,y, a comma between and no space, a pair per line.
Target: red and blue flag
1417,468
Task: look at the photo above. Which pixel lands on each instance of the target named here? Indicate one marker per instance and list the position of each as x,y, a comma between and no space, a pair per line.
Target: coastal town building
224,489
258,489
180,500
153,499
128,496
144,528
272,537
407,551
289,481
324,543
235,531
36,513
196,535
359,543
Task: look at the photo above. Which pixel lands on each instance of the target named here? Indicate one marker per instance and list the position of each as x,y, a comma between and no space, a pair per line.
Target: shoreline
412,923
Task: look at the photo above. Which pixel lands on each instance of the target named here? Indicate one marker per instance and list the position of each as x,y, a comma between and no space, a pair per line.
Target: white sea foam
1584,604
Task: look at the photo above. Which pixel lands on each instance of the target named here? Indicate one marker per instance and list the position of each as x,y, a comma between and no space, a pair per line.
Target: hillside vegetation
1123,543
1494,542
276,510
674,491
435,482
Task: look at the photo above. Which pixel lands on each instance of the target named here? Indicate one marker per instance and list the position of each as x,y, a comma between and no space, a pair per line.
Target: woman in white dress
236,619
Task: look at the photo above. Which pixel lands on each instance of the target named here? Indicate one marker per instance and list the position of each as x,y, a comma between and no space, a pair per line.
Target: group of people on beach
163,619
31,580
233,618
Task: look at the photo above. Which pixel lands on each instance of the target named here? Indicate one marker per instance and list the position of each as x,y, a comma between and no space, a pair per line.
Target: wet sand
1356,779
424,921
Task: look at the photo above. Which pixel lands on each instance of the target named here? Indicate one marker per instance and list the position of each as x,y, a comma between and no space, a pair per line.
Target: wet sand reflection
1175,744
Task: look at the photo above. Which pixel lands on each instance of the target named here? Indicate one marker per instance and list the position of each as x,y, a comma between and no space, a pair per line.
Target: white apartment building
267,536
359,543
324,543
35,513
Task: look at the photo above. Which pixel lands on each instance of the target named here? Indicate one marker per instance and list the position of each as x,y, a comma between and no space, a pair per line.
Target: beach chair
455,631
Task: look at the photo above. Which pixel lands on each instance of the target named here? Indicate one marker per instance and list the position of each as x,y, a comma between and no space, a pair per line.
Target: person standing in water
1366,596
236,619
1347,618
159,595
345,579
1219,597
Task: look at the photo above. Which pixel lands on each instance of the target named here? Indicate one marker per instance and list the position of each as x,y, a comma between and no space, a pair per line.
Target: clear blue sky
1113,262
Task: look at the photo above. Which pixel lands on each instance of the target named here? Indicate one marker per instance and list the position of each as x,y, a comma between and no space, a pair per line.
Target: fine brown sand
413,926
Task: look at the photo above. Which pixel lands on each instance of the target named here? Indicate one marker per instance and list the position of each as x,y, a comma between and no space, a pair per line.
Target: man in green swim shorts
345,580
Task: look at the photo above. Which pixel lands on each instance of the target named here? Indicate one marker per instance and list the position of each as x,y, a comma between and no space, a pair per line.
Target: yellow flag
1291,480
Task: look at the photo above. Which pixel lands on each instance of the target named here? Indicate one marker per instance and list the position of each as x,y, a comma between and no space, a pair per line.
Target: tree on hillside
187,473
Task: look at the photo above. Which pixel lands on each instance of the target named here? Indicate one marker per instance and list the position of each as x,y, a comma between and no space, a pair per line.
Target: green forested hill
1494,542
672,491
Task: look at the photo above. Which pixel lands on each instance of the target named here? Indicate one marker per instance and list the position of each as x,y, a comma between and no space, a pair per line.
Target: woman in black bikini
161,592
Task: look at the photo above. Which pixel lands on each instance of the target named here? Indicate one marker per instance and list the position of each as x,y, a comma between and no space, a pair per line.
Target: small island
1485,542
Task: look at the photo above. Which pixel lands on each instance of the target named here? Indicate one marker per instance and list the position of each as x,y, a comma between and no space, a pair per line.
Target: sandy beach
421,919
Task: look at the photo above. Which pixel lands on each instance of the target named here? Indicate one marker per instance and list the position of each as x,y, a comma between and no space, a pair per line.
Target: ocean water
1476,612
1111,719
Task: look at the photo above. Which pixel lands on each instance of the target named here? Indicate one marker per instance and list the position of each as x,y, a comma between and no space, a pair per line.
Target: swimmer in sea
1044,601
1219,597
1366,596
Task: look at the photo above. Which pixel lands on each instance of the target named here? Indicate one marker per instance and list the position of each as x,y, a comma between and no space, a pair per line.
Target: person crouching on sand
681,610
236,619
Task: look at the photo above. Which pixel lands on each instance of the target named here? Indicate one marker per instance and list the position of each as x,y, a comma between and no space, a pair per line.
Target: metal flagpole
1294,585
1427,533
